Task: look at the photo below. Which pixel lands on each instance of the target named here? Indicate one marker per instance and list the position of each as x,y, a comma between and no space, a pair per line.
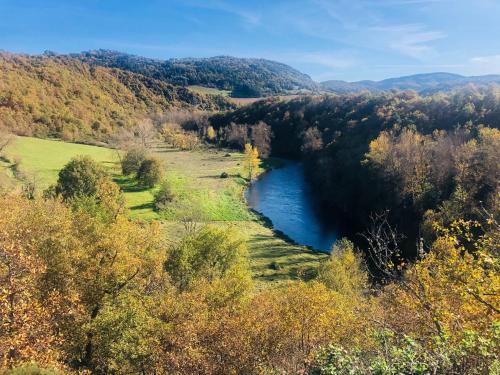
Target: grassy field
201,194
209,90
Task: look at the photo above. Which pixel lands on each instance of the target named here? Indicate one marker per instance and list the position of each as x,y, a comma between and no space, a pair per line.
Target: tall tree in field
251,160
210,133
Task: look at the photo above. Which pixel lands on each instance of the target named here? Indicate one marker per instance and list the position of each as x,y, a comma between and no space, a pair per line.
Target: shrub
150,172
224,175
164,196
132,160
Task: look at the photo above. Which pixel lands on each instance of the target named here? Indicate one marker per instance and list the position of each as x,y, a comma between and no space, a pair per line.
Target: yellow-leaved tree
210,133
251,160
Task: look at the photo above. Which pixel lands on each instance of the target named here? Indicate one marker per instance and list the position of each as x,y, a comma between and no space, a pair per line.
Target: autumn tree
210,133
344,271
27,323
251,160
404,159
452,285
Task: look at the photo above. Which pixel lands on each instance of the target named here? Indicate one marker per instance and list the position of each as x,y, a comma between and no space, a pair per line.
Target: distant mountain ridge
244,77
427,83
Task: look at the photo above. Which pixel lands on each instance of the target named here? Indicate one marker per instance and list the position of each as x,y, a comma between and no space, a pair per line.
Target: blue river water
284,196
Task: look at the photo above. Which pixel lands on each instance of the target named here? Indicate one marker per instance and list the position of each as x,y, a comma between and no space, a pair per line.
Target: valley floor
201,195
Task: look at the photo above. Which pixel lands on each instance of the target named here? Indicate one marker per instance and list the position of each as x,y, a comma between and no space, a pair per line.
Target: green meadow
209,91
201,196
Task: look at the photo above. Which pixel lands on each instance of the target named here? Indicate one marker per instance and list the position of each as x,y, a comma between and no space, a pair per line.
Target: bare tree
237,135
145,132
312,140
383,247
140,136
261,137
122,140
385,254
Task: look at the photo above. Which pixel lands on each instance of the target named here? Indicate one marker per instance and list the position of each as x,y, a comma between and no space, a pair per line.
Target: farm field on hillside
209,90
201,195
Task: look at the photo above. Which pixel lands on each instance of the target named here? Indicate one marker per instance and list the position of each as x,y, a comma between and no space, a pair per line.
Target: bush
132,160
275,266
79,177
150,172
164,196
224,175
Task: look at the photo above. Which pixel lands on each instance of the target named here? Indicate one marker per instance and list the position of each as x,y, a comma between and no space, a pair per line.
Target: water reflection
284,196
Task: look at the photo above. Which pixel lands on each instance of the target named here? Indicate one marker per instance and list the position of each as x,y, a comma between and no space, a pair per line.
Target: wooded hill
367,153
424,84
61,96
244,77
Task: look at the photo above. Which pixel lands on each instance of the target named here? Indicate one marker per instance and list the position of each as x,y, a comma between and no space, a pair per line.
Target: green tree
80,177
209,253
132,160
150,172
87,186
164,196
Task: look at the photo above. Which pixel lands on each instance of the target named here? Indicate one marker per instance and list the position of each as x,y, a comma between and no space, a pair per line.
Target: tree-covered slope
422,83
400,151
245,77
62,96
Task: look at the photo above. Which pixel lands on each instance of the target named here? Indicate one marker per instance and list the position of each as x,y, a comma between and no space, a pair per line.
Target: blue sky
327,39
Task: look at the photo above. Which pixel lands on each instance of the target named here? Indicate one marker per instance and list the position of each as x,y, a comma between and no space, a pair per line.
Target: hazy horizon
338,39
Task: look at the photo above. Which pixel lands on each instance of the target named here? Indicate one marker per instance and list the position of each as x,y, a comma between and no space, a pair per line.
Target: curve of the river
284,196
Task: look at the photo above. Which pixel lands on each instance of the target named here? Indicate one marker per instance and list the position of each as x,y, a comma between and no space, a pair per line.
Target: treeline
393,151
244,77
85,290
63,97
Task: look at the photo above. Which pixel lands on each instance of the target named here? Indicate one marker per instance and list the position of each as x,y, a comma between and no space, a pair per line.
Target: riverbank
285,198
197,175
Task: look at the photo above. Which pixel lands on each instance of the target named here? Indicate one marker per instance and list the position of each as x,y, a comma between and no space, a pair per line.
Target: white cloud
485,64
329,60
361,25
493,59
250,17
411,40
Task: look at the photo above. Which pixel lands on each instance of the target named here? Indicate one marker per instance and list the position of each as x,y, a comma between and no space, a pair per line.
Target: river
284,196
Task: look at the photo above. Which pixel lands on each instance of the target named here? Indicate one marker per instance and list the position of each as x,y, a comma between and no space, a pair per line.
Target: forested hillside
244,77
61,96
425,84
84,288
422,158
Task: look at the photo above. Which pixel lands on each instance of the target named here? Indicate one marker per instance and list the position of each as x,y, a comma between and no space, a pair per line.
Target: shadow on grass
165,150
113,163
144,206
128,184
